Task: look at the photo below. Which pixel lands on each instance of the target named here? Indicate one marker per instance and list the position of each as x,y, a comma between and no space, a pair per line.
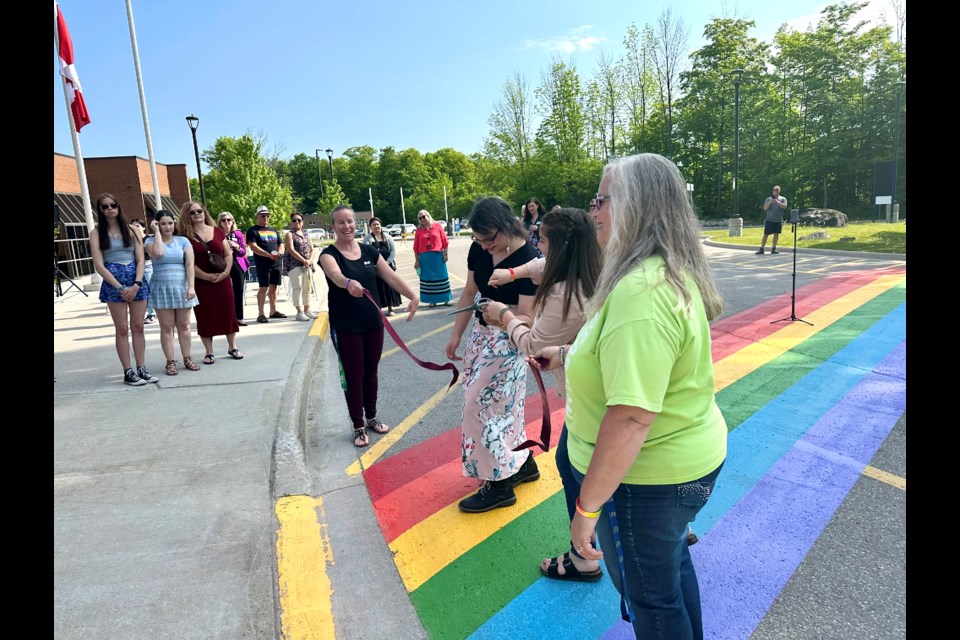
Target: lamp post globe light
193,122
736,142
330,160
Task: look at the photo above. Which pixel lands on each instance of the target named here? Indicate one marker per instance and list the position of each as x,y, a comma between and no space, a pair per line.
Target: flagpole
95,278
370,198
143,108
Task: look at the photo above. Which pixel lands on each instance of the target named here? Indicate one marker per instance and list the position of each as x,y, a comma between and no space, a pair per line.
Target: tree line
817,110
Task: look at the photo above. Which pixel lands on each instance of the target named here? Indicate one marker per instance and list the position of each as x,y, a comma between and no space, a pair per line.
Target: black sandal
360,435
374,424
570,571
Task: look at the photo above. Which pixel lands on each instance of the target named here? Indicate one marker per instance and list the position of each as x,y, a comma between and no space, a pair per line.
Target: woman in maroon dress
215,313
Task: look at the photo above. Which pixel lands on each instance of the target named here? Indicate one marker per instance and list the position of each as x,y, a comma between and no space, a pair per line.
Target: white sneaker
303,317
312,314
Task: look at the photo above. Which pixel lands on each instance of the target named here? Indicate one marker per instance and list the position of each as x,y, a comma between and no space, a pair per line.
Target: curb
802,250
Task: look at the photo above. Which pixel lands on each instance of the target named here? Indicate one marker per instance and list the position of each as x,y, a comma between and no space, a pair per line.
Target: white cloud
577,39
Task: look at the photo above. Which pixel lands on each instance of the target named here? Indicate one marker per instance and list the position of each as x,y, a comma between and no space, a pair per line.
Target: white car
316,236
410,229
393,229
443,224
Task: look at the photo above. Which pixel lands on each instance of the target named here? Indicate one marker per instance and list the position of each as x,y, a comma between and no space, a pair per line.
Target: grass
872,237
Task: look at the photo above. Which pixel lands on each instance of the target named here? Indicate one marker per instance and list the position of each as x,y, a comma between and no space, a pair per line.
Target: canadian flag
68,71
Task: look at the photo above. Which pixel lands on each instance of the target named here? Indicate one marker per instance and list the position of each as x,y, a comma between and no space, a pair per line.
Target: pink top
549,329
432,239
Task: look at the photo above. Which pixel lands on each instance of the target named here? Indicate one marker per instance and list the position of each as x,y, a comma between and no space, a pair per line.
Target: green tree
239,180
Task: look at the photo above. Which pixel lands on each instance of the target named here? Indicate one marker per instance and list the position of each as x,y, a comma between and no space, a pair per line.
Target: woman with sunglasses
238,271
298,263
216,315
118,257
494,370
173,293
430,260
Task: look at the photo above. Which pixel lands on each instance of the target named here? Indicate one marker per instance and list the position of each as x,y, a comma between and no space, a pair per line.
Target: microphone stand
793,294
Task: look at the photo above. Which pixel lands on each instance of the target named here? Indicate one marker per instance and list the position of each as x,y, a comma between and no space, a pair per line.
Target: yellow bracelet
585,513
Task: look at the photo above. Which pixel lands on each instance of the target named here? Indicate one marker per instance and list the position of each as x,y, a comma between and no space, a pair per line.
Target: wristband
585,513
138,283
513,276
500,317
347,286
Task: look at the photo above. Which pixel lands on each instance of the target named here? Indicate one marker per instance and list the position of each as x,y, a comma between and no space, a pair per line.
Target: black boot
492,494
528,472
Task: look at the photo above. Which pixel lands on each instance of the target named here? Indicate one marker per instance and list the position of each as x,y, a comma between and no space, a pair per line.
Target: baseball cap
263,209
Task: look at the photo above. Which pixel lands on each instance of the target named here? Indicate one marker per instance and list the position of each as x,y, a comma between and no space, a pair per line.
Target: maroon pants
360,357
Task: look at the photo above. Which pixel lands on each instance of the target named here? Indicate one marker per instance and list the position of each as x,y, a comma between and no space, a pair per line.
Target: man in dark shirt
265,243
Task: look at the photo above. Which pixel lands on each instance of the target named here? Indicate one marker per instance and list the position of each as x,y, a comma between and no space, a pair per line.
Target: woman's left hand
191,293
583,534
491,313
128,294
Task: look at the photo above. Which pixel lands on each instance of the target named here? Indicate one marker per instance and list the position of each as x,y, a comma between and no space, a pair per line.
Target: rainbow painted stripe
807,407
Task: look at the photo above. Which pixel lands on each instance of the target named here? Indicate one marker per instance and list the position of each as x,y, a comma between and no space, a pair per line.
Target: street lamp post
319,176
896,148
194,122
330,160
736,143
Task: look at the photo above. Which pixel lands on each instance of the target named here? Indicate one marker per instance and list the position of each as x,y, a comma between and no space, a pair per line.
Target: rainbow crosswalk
807,407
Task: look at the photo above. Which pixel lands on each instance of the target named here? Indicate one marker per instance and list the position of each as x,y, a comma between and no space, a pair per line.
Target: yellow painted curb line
320,325
303,553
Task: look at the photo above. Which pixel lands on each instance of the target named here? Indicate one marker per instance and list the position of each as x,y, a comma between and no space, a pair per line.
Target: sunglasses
104,207
226,219
298,219
194,211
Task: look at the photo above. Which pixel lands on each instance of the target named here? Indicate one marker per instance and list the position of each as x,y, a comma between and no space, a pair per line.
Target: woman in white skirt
172,293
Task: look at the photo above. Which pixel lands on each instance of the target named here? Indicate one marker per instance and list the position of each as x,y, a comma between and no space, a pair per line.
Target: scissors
476,306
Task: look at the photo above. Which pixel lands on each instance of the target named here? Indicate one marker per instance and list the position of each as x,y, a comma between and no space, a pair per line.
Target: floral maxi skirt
494,386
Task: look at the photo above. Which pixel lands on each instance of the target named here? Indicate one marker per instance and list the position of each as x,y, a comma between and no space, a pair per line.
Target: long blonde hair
651,214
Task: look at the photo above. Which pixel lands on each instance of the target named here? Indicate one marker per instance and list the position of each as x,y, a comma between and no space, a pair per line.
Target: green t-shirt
641,350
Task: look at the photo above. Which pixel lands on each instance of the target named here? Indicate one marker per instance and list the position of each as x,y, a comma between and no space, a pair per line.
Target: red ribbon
426,365
545,430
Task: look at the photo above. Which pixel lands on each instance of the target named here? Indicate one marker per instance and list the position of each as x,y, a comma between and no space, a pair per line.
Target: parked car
443,224
316,236
410,229
393,230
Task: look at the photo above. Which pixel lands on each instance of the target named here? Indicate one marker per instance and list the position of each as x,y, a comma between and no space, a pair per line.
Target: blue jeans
147,274
661,583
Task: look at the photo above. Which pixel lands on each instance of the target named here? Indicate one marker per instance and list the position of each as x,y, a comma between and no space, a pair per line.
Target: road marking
416,340
391,438
883,476
320,325
303,554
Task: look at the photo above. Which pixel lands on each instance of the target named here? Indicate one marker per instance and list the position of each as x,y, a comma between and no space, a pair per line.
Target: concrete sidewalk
164,522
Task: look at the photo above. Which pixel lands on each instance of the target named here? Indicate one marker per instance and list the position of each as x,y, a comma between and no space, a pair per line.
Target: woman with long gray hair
646,439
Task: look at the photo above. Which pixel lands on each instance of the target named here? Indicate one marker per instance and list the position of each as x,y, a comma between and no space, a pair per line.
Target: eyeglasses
226,219
422,218
600,199
488,241
195,211
106,206
298,219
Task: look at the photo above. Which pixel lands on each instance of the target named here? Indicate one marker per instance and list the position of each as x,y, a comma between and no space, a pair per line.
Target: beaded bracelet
500,317
561,356
588,514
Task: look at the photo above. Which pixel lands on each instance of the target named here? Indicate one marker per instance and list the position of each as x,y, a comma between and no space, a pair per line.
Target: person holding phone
774,206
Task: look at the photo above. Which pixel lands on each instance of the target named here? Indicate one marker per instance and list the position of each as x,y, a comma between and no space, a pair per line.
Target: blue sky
316,74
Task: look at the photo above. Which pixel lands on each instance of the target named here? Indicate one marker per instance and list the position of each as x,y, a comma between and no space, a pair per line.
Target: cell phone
543,362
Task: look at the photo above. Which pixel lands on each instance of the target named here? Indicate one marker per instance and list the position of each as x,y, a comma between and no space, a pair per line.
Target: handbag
216,261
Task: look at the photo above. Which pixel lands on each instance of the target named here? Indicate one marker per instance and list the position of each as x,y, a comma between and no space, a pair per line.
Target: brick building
128,178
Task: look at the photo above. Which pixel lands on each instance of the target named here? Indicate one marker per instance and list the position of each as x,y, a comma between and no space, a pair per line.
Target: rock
823,218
